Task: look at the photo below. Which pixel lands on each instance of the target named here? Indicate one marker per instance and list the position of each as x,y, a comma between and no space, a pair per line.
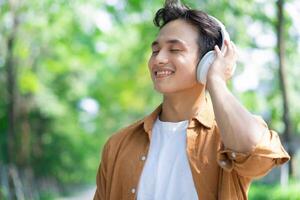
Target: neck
182,106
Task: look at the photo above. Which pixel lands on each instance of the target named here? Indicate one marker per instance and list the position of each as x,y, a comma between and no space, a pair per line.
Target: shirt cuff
266,154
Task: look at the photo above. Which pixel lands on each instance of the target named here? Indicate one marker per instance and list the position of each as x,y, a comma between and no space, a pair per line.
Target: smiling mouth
163,73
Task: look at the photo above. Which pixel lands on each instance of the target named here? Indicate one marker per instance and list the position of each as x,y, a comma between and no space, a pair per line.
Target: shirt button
223,163
143,158
133,190
233,154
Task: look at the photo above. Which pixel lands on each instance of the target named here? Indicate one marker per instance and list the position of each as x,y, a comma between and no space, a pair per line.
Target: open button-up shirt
218,173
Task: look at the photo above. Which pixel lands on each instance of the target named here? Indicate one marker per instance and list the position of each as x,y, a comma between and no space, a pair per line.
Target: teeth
164,72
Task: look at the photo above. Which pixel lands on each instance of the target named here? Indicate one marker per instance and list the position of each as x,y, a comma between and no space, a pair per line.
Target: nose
161,58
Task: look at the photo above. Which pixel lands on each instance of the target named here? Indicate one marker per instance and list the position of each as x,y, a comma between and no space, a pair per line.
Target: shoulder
132,135
134,130
125,132
123,137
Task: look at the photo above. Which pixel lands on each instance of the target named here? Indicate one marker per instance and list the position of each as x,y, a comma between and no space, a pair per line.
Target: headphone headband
224,33
209,57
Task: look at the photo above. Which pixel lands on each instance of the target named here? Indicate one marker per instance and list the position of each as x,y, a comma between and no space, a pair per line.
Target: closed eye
155,52
175,50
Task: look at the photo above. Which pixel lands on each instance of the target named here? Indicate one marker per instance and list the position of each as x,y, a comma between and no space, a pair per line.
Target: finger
230,50
227,42
218,51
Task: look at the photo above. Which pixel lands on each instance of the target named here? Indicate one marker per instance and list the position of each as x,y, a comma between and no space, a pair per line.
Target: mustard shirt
218,173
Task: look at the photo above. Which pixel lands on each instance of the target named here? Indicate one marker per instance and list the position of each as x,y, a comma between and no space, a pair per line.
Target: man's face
174,58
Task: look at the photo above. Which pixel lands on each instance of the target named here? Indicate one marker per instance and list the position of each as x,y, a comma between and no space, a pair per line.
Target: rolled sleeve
268,153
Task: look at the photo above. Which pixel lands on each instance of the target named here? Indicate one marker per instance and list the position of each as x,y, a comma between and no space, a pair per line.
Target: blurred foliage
260,191
69,51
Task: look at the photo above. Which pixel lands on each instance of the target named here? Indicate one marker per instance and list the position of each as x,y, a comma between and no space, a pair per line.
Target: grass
259,191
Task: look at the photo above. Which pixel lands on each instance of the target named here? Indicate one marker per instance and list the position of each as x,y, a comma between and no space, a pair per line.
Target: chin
168,90
165,90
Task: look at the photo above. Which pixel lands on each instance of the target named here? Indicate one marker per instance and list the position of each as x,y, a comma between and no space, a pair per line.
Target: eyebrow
171,41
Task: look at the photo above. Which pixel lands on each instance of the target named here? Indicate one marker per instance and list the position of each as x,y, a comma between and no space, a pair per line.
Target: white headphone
210,56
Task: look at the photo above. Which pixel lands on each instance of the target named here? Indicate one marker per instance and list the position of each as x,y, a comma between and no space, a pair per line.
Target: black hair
208,29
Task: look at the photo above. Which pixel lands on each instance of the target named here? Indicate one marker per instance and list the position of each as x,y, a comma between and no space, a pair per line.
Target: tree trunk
11,92
286,170
11,75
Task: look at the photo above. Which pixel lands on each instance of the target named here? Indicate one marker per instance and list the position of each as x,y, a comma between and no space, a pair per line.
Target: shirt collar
205,116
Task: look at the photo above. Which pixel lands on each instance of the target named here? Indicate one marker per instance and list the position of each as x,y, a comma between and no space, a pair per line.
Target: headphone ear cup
203,66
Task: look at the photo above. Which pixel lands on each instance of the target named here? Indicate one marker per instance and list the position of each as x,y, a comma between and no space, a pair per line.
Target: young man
191,146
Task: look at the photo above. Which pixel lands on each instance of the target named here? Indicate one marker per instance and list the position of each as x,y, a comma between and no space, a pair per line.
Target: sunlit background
74,72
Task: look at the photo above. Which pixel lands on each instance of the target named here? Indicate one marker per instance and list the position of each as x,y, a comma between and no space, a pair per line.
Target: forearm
239,130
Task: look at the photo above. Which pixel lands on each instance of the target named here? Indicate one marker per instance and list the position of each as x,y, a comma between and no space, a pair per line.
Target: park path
86,194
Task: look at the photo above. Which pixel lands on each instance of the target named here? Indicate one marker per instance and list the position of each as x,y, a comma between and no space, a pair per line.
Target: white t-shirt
167,174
